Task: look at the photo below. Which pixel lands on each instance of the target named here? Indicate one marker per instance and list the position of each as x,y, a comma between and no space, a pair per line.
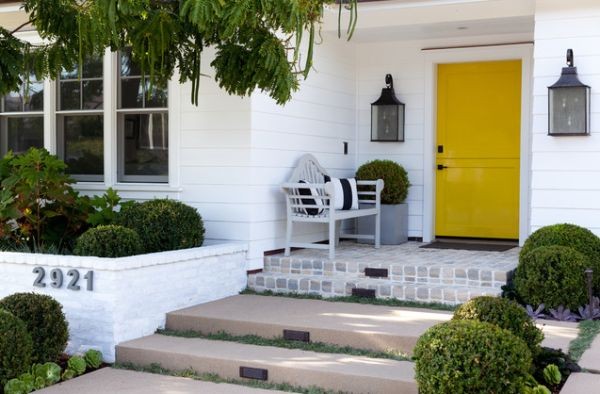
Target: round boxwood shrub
395,178
108,241
164,224
15,347
553,276
45,321
505,314
578,238
469,356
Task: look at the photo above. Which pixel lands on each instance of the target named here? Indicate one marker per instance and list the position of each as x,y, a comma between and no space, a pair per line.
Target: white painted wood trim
524,52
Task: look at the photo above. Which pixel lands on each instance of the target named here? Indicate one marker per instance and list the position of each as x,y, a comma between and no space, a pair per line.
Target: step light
376,272
366,293
254,373
294,335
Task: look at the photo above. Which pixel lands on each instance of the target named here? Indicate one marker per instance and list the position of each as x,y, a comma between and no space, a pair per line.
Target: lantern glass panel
568,110
386,121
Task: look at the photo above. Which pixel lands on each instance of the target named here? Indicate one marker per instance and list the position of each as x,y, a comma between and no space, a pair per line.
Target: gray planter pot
394,225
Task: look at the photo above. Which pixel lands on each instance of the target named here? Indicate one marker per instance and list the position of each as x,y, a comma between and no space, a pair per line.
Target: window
22,118
80,121
142,126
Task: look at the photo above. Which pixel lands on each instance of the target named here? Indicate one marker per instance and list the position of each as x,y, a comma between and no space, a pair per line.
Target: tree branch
21,26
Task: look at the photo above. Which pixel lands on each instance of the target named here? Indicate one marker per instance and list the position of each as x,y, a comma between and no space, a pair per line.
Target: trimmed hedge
108,241
573,236
552,275
45,322
505,314
469,356
164,224
395,178
15,347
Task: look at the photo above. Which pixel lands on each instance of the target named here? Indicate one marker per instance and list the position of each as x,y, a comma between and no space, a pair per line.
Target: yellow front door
478,128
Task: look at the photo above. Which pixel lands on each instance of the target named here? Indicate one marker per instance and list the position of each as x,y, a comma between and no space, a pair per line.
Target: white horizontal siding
565,170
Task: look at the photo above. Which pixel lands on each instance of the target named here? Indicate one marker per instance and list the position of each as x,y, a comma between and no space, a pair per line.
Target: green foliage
505,314
17,386
44,320
93,359
578,238
257,42
46,374
106,208
164,224
469,356
394,176
108,241
15,347
38,206
69,374
552,375
539,389
77,364
552,275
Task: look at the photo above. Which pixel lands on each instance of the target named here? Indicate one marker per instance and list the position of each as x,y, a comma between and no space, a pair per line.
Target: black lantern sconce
387,115
569,103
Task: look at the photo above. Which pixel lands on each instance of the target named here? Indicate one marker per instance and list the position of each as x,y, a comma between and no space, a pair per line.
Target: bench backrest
309,170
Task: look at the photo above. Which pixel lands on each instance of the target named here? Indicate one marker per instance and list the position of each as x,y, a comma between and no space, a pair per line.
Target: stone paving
441,275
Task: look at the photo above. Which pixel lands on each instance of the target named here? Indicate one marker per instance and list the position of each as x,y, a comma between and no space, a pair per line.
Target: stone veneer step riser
330,287
434,275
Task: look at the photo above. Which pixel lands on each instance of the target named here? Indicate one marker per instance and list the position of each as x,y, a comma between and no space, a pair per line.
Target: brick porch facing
428,275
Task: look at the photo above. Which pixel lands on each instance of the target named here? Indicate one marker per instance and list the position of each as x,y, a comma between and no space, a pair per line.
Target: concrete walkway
588,382
109,380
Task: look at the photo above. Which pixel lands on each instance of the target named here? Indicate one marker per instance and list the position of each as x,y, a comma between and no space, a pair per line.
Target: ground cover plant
33,337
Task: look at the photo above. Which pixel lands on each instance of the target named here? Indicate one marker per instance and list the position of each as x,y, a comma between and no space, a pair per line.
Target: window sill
127,187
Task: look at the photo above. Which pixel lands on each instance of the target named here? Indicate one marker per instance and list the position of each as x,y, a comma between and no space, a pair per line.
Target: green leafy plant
16,347
38,205
17,386
552,275
69,374
106,208
77,364
539,389
164,224
505,314
47,373
44,320
93,359
569,235
395,179
469,356
552,375
257,43
108,241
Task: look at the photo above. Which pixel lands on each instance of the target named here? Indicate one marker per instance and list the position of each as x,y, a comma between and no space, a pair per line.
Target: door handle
441,167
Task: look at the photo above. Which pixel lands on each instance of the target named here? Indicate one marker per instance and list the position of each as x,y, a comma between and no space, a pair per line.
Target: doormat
476,246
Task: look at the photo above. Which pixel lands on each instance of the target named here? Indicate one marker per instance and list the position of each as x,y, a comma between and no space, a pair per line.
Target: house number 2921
56,279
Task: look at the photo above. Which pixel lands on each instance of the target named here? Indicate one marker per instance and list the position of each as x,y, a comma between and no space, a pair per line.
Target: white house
473,75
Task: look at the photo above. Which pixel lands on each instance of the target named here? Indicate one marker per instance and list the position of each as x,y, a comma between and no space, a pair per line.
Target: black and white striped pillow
346,193
311,201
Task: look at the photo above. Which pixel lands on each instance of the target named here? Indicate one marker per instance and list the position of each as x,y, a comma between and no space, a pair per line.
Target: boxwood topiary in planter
394,177
552,275
108,241
164,224
505,314
44,320
469,356
15,347
578,238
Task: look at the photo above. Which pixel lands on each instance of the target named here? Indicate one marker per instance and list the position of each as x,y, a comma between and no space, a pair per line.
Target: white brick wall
131,295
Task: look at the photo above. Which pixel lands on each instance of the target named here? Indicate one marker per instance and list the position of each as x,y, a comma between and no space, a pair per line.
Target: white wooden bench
309,170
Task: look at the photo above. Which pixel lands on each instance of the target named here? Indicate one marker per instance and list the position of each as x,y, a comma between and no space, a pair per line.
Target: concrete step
338,372
109,380
342,285
346,324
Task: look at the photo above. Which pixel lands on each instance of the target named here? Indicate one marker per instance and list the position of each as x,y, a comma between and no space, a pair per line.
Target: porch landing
427,275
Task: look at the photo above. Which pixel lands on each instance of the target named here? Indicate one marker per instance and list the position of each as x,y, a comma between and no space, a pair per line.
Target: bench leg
338,230
288,237
377,231
332,239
